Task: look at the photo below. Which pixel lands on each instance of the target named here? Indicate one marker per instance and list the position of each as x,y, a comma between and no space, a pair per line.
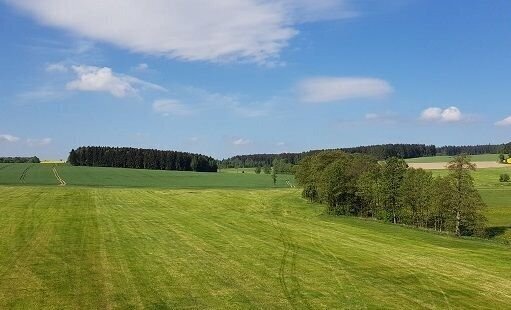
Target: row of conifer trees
125,157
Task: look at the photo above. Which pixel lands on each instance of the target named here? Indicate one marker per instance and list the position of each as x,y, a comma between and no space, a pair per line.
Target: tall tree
393,172
416,196
466,203
274,175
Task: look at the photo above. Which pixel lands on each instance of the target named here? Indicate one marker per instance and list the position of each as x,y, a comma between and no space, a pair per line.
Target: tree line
126,157
380,152
19,160
451,150
358,185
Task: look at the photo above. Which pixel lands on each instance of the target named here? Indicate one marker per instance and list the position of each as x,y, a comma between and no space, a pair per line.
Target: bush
504,177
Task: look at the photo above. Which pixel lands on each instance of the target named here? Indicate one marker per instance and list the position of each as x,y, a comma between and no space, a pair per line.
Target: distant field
442,159
42,174
101,248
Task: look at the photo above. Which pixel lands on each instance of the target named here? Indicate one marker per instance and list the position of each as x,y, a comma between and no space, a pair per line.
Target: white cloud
280,143
449,115
204,30
39,142
332,89
241,141
8,138
171,106
504,122
90,78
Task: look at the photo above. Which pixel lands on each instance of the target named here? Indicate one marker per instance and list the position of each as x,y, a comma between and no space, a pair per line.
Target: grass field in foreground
42,174
444,159
73,247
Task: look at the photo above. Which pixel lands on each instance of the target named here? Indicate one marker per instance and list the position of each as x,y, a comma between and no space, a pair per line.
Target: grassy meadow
126,238
83,247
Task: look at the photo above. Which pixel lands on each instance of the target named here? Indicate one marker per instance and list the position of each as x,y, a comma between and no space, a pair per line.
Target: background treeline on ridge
380,152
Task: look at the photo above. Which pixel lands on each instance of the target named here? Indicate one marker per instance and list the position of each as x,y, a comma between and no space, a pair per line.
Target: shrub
504,177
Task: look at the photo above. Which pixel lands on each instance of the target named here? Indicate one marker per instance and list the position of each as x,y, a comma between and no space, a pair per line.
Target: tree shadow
493,232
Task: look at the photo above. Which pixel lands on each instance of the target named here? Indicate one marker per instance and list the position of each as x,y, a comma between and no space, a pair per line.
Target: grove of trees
125,157
18,160
358,185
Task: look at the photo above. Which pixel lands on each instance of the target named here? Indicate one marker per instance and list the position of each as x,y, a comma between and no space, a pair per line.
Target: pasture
83,247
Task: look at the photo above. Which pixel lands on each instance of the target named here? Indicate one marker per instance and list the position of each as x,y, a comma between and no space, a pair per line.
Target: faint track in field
61,180
24,174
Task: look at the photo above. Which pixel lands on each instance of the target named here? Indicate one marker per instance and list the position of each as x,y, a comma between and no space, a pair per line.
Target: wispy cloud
42,94
141,67
337,89
384,118
194,30
57,67
8,138
448,115
39,142
505,122
168,107
241,141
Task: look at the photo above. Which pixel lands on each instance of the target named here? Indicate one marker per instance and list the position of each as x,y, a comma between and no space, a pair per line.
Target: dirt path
437,166
56,173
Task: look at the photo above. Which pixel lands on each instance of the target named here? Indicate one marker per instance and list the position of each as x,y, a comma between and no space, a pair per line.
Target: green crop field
443,159
95,176
77,247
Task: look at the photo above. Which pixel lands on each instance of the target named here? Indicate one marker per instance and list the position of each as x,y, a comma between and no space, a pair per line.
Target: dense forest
125,157
18,160
450,150
357,185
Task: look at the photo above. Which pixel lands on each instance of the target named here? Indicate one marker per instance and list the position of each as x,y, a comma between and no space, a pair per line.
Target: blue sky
252,76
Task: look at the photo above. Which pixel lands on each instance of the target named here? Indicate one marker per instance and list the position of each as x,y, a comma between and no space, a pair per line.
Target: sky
231,77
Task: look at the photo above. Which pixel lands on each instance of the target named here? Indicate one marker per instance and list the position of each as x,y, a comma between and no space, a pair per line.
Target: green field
443,159
42,174
74,247
126,238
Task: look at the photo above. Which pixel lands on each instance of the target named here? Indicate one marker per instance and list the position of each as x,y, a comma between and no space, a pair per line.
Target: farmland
444,159
42,174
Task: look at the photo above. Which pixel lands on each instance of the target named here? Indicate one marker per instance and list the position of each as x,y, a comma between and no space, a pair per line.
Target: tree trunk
458,218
